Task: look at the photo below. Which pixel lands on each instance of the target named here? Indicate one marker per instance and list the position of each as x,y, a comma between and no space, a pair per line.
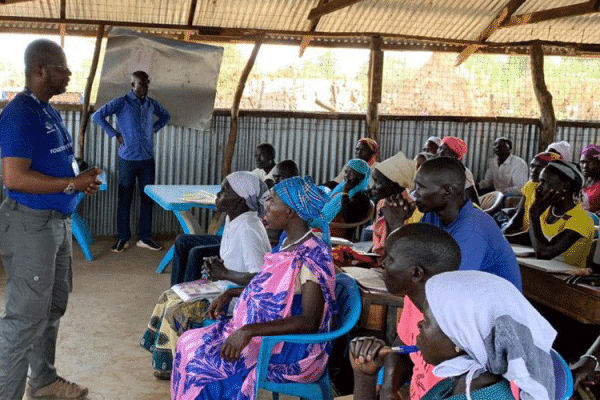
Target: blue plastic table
170,197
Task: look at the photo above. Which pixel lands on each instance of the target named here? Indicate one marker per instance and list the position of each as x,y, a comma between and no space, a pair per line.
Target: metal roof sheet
396,20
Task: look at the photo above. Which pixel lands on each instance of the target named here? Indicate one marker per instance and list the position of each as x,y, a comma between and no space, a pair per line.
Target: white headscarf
563,148
434,139
251,189
500,331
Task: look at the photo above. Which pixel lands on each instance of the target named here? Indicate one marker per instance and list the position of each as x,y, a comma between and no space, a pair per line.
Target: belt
32,211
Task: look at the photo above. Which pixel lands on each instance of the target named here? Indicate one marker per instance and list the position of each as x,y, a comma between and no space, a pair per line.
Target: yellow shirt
528,191
578,220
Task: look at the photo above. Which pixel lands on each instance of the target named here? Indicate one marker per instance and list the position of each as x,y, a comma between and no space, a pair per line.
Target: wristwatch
70,189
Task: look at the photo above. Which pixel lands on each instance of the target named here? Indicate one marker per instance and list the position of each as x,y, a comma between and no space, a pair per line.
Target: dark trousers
188,256
128,172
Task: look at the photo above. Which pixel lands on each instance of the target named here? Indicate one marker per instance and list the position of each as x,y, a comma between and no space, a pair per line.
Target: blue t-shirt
136,124
32,129
482,245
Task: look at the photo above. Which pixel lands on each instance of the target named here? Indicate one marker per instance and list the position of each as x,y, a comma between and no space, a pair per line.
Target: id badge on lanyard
74,165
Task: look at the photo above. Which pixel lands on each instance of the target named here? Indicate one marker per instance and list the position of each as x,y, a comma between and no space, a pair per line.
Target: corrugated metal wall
318,143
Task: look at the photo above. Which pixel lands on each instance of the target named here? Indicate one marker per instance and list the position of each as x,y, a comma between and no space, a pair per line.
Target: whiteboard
183,76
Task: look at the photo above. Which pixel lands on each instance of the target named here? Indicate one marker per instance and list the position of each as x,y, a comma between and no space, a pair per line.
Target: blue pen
405,349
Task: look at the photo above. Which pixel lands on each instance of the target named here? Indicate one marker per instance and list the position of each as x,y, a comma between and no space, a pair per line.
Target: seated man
506,172
283,170
439,194
264,156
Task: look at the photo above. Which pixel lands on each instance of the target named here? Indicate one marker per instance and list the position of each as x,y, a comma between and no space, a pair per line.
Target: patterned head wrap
570,170
591,151
306,199
563,148
457,145
371,144
250,188
547,157
398,169
500,331
334,205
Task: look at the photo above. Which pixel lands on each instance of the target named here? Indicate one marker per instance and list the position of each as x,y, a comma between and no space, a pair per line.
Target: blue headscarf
334,205
306,199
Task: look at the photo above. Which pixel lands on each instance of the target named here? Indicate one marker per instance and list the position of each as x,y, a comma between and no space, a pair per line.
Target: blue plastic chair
562,376
349,303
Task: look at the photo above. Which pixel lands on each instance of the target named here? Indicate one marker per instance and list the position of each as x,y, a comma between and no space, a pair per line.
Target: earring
457,349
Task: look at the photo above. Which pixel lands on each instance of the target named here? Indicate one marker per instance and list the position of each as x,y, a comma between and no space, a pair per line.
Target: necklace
295,242
554,214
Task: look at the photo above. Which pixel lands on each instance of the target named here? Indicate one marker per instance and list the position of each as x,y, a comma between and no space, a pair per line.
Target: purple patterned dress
199,371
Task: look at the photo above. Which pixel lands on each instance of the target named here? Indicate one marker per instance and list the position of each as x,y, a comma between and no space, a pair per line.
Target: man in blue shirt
135,119
42,181
439,194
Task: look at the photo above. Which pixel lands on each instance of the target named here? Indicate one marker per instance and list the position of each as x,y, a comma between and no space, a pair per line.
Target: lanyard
56,122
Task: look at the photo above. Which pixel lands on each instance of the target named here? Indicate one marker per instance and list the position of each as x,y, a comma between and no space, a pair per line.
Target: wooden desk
170,197
580,302
380,309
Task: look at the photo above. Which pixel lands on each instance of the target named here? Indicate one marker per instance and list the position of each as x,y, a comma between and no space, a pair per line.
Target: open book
200,197
200,289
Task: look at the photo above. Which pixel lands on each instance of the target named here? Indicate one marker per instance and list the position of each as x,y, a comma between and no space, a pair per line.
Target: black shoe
120,246
162,375
149,244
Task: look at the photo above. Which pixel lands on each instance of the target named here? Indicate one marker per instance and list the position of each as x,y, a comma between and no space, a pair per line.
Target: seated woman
244,241
590,164
516,229
557,224
242,251
367,150
293,293
349,201
391,178
457,148
480,333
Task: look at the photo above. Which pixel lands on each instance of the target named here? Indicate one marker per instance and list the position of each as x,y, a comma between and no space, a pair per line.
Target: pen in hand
404,349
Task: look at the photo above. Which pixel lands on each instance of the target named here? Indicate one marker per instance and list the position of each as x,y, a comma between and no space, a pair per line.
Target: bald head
446,171
39,53
427,246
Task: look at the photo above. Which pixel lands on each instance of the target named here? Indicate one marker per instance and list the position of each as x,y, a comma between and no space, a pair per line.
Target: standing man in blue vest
135,119
42,181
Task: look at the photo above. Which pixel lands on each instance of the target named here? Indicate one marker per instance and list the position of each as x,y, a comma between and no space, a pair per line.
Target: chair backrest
349,303
346,225
562,376
490,201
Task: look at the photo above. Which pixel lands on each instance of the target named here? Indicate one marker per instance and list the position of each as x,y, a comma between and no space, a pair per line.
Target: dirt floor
99,337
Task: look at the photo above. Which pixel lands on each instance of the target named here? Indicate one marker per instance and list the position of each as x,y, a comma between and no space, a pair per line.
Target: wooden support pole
375,87
235,109
85,108
544,98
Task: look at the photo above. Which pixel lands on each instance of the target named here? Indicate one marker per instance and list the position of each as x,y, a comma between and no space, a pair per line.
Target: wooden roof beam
573,10
63,9
14,1
507,11
313,27
192,12
328,8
